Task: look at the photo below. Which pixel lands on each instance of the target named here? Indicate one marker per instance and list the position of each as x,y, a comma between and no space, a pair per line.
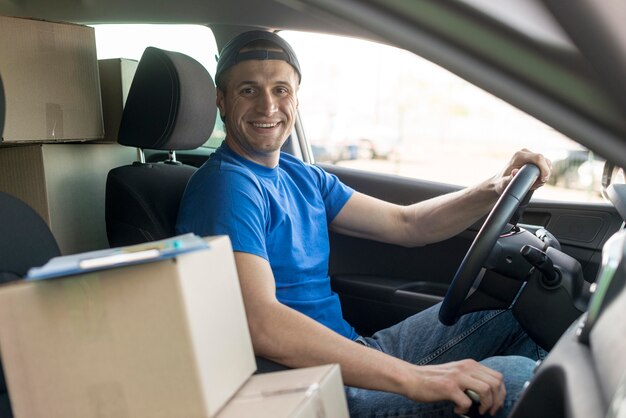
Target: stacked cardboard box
50,76
161,339
53,107
65,184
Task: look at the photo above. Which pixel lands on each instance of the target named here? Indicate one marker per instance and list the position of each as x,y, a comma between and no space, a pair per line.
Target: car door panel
582,229
380,284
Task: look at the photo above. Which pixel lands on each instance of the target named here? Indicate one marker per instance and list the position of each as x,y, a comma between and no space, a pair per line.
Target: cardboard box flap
312,392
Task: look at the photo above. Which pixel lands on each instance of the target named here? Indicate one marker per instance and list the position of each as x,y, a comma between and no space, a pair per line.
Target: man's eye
282,90
247,91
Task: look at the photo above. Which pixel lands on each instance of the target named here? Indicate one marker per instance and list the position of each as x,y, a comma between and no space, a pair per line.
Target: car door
380,284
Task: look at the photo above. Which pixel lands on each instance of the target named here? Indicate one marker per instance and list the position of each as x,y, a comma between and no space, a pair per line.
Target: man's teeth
264,125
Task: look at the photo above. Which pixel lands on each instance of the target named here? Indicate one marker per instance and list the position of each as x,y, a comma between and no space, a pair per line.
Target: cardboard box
65,184
161,339
50,76
116,76
314,392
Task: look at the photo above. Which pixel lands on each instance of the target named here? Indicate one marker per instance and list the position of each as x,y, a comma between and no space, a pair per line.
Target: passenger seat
170,107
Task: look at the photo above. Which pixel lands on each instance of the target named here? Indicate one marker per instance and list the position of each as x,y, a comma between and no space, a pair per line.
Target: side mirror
611,174
614,187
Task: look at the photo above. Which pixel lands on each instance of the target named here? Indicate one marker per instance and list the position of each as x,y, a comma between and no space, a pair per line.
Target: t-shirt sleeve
230,203
334,193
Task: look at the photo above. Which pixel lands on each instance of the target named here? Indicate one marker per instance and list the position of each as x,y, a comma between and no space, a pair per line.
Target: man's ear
220,102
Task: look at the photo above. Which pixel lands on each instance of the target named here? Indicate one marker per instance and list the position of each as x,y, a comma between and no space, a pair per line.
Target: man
277,212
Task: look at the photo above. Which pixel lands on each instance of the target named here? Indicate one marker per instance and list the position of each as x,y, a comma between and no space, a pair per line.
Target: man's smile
266,125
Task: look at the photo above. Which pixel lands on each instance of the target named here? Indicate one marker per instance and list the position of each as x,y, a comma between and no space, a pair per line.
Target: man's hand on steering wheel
519,159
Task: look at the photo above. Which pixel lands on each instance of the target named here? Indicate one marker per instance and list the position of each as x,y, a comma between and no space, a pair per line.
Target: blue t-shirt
280,214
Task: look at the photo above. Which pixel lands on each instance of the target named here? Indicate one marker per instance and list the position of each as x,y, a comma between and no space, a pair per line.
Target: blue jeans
494,338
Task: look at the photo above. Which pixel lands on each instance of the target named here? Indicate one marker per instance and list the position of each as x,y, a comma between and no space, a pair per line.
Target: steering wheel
477,255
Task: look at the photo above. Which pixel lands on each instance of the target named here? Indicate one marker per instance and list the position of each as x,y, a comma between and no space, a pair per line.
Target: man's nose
266,103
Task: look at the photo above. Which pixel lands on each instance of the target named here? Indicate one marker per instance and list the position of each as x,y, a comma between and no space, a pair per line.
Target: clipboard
117,257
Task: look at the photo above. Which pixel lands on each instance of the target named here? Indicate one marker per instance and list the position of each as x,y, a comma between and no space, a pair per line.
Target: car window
129,41
379,108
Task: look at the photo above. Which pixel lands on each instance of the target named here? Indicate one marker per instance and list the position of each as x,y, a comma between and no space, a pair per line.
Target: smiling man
277,211
259,82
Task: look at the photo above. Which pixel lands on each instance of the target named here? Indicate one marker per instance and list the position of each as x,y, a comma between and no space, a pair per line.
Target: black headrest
170,105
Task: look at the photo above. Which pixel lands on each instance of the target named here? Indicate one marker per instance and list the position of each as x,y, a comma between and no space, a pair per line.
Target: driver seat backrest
170,106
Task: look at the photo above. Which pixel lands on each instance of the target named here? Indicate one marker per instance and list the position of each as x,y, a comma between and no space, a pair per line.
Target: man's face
260,106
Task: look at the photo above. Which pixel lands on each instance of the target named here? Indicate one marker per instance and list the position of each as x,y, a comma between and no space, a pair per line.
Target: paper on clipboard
116,257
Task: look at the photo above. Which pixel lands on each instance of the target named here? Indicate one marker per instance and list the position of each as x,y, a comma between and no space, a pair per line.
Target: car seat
170,107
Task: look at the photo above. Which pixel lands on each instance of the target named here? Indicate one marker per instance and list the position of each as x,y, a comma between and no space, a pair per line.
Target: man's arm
286,336
435,219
